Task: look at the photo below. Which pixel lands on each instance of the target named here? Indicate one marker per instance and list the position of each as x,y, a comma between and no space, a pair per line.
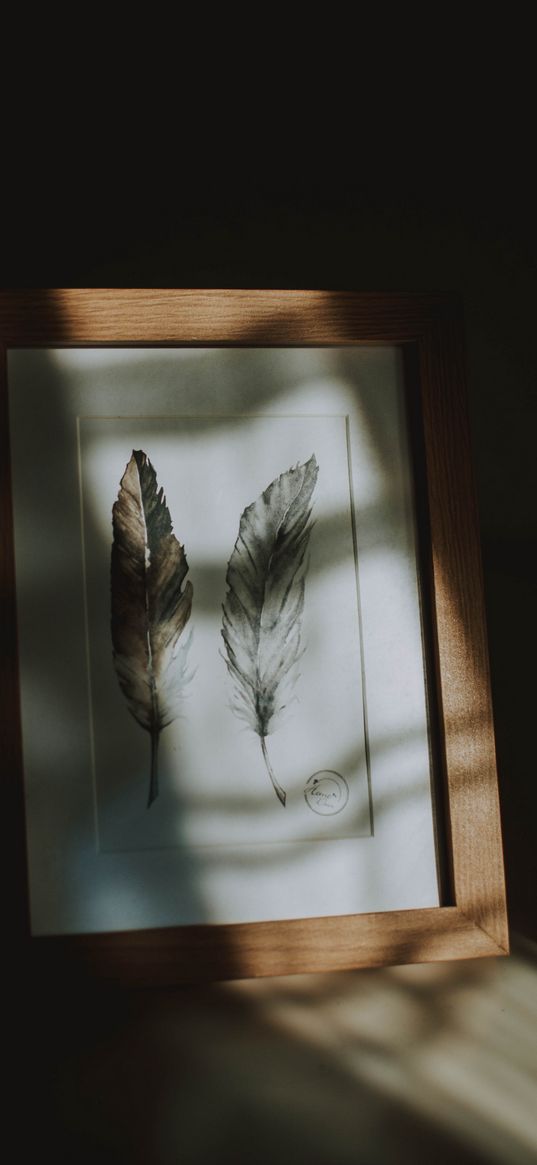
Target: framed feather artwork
247,718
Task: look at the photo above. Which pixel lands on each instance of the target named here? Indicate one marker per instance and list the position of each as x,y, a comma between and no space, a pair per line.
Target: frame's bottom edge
208,954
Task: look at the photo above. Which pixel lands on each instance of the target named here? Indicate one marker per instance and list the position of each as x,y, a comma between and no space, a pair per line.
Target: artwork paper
339,708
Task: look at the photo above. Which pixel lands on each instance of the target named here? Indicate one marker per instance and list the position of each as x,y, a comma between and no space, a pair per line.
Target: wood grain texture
477,924
251,950
461,639
78,316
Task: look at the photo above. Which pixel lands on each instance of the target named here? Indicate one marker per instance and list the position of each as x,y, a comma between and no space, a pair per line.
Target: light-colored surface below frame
407,1064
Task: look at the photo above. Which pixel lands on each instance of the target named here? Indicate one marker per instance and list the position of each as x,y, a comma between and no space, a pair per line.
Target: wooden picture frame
428,329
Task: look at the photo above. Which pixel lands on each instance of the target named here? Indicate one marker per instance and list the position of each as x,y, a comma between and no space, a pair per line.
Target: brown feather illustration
150,605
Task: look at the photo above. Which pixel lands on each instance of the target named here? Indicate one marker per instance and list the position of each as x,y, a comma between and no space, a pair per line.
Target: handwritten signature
326,792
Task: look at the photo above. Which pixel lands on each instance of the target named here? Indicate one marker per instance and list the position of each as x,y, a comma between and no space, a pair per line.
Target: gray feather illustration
150,606
262,611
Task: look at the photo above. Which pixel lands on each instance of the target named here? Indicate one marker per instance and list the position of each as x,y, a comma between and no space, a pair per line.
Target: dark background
462,222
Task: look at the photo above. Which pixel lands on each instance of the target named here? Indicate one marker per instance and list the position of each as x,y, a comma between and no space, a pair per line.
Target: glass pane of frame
286,717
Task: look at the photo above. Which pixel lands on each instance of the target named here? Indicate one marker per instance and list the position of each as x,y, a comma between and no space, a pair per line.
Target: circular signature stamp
326,792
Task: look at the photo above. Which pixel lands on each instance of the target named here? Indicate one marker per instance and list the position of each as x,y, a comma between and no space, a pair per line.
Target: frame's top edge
212,315
10,297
